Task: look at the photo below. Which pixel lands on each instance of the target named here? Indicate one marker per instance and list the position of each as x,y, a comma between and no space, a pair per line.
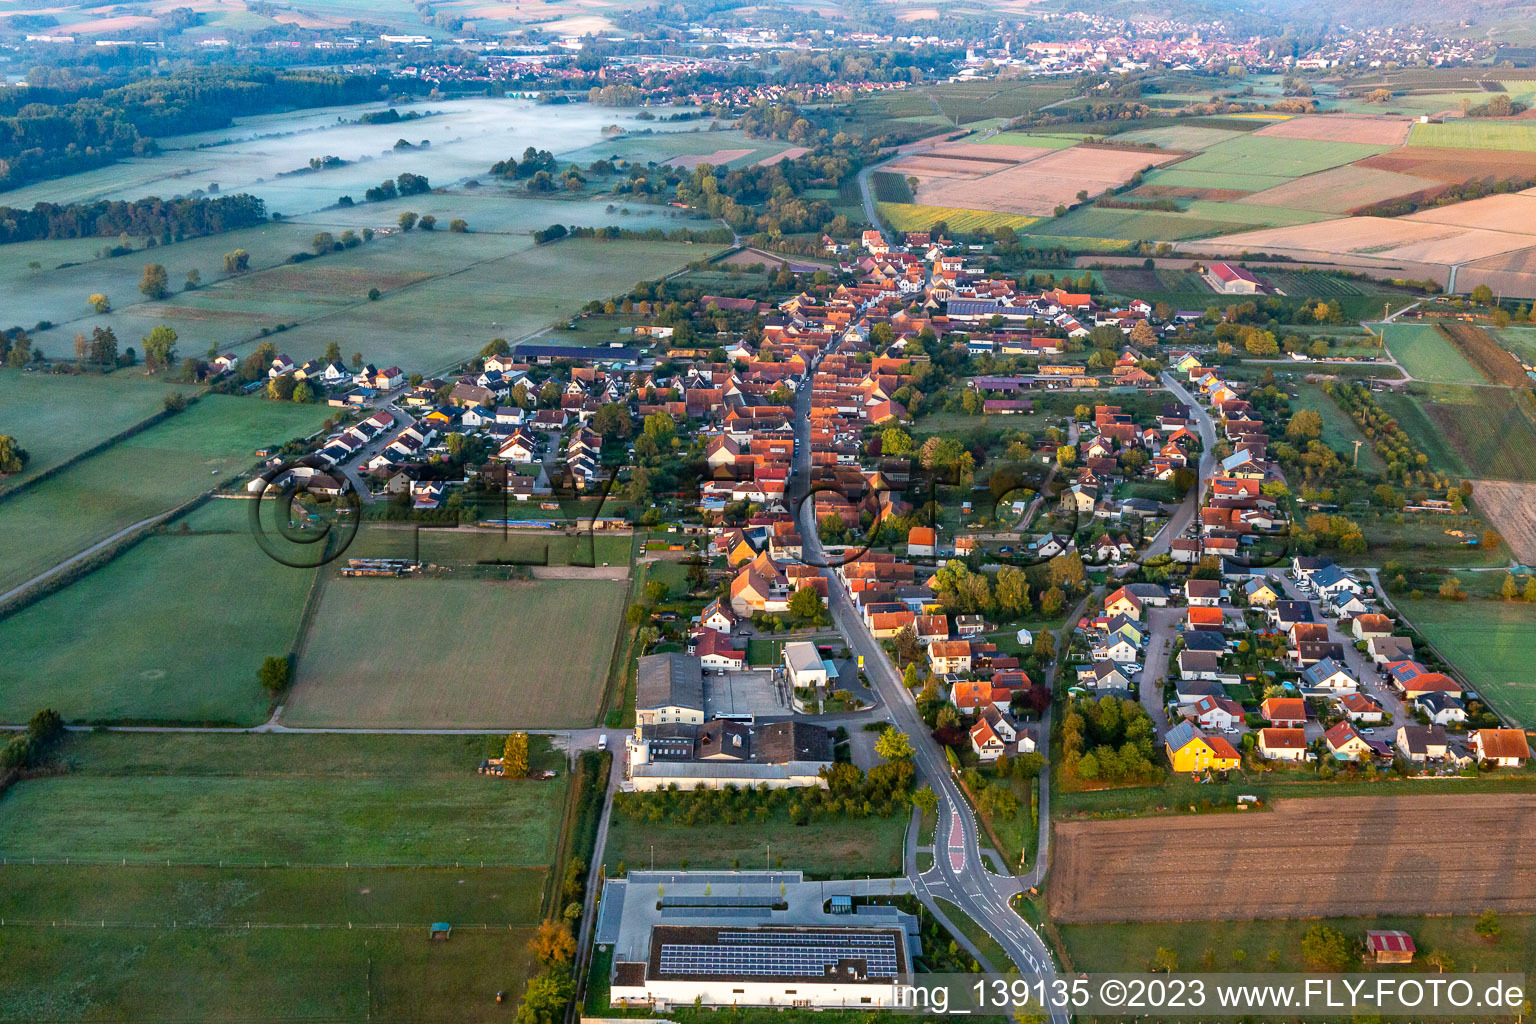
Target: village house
1345,744
1284,712
1505,748
1190,750
1283,744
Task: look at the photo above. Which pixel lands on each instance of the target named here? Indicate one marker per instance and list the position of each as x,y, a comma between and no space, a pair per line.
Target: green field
1490,642
1427,355
1409,412
1178,136
307,800
1062,141
1137,226
444,296
1471,134
146,474
1339,431
141,941
914,217
56,416
172,631
1519,340
826,848
457,653
1129,947
1270,157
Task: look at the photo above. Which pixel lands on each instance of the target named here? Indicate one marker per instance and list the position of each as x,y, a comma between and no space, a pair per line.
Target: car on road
602,741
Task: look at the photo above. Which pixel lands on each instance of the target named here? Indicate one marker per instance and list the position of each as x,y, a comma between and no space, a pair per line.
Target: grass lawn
1422,540
1428,356
1129,947
1490,642
979,936
457,653
148,473
309,800
55,416
462,548
826,848
173,630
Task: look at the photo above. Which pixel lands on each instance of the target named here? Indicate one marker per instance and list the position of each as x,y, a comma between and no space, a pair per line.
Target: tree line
168,220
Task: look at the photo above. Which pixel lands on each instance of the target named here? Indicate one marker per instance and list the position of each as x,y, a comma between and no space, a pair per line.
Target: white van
602,741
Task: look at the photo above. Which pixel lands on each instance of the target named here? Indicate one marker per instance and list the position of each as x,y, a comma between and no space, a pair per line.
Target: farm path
75,559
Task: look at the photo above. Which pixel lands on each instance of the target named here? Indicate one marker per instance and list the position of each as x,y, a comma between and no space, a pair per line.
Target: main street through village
959,873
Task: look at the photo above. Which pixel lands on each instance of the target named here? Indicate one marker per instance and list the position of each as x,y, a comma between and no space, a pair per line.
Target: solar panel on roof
781,954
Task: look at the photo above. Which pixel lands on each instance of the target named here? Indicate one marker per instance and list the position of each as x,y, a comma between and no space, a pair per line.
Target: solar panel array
782,954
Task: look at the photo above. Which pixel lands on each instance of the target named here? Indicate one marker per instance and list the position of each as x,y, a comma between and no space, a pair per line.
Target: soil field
1038,187
792,153
718,158
1344,856
1492,360
1186,192
1005,152
441,667
1477,134
1340,189
1452,165
1511,508
1374,131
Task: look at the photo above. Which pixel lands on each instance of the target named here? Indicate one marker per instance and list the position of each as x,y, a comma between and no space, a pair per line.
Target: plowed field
1339,856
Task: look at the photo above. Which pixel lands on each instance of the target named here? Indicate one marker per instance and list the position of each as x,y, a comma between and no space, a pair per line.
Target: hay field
1452,165
174,630
1345,856
1039,186
1340,189
151,472
1374,131
1427,355
1466,133
56,416
441,653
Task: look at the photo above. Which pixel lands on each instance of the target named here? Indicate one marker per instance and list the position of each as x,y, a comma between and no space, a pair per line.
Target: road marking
956,841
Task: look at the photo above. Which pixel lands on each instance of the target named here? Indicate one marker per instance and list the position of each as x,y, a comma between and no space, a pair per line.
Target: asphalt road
1185,514
959,874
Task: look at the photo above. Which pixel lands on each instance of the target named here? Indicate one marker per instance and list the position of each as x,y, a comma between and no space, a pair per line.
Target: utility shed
1390,947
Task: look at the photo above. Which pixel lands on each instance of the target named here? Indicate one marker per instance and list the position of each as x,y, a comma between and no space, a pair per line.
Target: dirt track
1511,507
1317,857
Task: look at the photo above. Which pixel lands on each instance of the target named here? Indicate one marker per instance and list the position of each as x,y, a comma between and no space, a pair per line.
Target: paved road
959,874
1185,514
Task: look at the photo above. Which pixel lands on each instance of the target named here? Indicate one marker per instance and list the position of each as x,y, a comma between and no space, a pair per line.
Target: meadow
444,661
835,847
1490,642
1339,431
56,416
1428,356
1476,134
1141,226
1275,945
140,941
248,800
1255,162
151,472
444,296
206,607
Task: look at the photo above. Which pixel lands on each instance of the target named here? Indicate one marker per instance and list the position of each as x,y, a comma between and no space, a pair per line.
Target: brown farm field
1036,188
1511,508
1343,856
1340,189
1492,360
718,158
1512,212
1381,238
457,653
1452,165
1376,131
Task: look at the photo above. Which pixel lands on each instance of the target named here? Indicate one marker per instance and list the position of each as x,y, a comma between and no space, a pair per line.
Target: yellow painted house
1190,750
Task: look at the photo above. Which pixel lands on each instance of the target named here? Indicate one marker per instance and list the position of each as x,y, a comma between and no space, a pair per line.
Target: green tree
100,303
1305,425
274,674
237,262
805,604
1488,925
427,222
13,457
925,800
546,998
894,745
194,279
1482,295
552,943
407,220
458,226
303,393
514,755
1326,949
323,242
612,421
160,348
1164,961
155,282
